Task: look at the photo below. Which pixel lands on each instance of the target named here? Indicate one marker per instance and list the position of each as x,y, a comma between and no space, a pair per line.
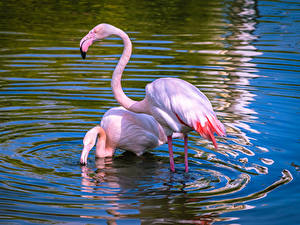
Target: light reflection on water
50,98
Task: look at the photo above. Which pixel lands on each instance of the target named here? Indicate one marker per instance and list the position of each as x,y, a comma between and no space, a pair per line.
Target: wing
179,104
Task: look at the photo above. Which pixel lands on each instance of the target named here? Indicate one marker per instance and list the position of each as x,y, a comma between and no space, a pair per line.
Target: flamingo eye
97,30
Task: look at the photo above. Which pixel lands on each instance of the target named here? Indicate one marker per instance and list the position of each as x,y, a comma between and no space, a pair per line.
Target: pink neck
116,85
101,148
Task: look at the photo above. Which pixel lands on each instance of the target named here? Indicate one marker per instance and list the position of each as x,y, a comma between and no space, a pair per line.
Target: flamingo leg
171,154
186,162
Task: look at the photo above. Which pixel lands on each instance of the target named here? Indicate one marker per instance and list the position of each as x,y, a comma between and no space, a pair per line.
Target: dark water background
243,54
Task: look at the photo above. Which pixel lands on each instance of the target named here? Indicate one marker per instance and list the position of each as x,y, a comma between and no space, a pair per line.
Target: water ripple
241,54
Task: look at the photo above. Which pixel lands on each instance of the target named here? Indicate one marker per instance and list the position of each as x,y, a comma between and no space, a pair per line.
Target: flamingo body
123,129
135,132
181,107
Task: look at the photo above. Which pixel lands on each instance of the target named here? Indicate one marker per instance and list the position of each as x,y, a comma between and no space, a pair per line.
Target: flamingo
120,128
176,104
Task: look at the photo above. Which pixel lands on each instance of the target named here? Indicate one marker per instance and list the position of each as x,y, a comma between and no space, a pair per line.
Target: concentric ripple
241,54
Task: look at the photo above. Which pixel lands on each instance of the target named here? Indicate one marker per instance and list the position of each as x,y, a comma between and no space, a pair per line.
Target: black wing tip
83,54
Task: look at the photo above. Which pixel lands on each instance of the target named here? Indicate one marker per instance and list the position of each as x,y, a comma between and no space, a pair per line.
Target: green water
244,55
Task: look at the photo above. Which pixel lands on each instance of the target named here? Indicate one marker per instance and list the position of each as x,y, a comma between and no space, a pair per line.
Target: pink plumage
211,126
182,107
123,129
176,104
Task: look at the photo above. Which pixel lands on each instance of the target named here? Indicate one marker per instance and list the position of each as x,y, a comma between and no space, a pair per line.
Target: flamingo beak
85,43
84,156
83,54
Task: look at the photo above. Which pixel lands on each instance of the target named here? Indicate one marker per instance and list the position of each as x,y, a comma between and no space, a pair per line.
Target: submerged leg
186,162
171,154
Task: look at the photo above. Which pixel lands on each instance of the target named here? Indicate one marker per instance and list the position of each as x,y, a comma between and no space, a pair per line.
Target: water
244,55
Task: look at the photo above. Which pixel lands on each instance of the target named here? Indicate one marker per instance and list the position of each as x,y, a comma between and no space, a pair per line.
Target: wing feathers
186,107
209,127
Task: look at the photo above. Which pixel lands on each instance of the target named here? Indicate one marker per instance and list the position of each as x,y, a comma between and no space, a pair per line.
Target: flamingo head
89,141
99,32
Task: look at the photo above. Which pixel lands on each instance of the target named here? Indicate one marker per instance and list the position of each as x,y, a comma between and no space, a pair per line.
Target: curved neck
116,85
101,142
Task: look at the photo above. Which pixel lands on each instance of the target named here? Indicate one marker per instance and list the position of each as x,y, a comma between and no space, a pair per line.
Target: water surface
244,55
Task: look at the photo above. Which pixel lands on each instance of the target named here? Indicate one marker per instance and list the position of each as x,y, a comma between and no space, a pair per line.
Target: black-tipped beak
83,54
82,163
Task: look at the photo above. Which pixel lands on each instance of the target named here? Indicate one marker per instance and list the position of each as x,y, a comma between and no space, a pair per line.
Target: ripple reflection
145,185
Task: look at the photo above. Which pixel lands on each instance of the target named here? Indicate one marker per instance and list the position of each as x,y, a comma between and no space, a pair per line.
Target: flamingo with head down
176,104
123,129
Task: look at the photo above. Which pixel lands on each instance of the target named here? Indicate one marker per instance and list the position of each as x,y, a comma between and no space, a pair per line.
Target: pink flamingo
176,104
120,128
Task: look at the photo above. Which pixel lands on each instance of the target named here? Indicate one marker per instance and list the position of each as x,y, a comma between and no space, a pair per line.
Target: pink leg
171,154
186,162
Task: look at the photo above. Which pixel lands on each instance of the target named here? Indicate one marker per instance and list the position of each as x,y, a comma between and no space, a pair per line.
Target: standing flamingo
120,128
176,104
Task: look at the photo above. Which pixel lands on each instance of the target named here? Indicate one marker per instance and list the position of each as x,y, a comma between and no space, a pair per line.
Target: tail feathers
209,127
